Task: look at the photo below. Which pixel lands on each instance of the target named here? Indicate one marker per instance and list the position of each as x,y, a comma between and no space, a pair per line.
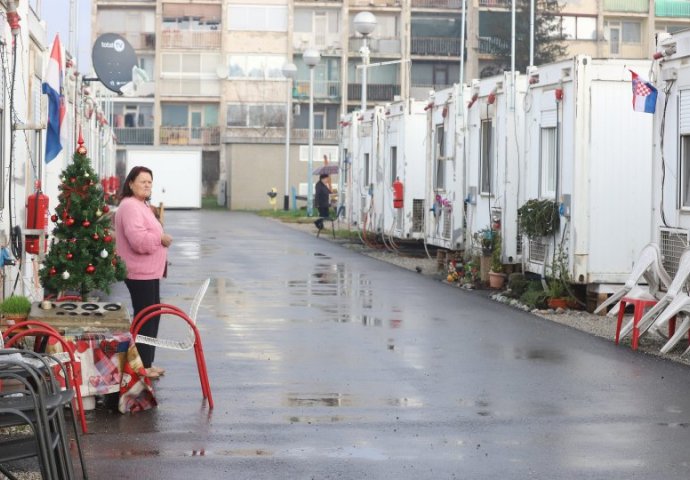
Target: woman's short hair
131,176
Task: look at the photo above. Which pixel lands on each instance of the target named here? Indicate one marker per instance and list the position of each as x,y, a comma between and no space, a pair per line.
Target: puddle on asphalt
538,354
309,420
674,425
404,402
318,400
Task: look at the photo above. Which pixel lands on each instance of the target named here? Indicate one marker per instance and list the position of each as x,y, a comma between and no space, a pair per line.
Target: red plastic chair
193,339
20,330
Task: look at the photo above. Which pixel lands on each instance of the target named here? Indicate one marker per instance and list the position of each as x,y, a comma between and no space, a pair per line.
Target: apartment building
216,81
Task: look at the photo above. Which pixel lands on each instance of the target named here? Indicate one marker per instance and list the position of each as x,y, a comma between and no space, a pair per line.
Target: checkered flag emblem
641,88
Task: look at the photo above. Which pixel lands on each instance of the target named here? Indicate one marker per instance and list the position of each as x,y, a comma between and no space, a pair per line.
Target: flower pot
496,280
559,302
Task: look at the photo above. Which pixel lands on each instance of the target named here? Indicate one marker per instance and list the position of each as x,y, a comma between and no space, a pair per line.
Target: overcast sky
56,15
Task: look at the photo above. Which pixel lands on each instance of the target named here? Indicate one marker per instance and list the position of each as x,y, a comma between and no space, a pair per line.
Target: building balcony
441,46
323,90
190,39
134,135
437,4
495,3
672,8
319,134
190,136
377,46
628,6
493,45
375,92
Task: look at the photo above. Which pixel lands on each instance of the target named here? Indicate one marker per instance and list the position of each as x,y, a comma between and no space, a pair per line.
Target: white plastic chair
649,266
672,300
191,340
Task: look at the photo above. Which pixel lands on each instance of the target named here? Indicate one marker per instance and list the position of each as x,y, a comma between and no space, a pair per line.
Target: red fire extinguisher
36,218
397,194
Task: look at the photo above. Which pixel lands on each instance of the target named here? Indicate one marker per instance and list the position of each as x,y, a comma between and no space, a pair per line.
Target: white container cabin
367,172
403,159
443,207
671,172
348,151
495,128
587,149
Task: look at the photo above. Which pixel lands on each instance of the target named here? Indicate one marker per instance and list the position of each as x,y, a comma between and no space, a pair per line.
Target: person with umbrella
322,199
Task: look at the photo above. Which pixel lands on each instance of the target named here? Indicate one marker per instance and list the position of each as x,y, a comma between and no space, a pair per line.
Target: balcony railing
383,46
134,135
627,6
329,89
319,134
435,46
672,8
436,3
190,136
375,92
495,3
190,39
493,45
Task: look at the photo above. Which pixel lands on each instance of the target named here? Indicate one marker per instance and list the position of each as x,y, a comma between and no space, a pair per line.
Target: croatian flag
644,95
56,101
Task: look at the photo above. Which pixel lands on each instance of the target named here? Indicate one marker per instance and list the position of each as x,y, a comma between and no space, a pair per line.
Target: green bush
539,218
16,305
518,284
534,298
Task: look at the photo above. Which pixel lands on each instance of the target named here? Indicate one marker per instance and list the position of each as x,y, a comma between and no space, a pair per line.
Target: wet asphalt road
326,364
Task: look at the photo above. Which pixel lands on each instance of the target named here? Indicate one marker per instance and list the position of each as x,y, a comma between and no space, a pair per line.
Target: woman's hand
166,240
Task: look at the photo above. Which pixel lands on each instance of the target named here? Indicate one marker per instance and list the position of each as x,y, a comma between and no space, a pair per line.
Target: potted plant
496,276
15,308
539,218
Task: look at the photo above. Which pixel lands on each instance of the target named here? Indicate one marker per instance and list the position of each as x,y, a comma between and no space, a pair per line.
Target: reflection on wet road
328,364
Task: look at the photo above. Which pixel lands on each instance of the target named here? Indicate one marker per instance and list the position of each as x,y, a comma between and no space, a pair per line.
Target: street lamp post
365,23
289,72
311,58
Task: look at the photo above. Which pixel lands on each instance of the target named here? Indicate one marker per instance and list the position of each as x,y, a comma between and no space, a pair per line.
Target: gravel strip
601,326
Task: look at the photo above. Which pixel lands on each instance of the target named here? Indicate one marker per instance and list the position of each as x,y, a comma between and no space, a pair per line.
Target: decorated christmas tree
82,254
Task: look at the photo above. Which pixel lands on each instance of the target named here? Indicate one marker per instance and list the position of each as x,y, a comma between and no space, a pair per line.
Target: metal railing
495,3
435,46
672,8
436,3
190,39
375,92
134,135
493,45
190,136
327,89
319,134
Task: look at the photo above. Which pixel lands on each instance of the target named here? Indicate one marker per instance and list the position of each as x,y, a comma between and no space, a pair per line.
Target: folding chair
192,340
339,211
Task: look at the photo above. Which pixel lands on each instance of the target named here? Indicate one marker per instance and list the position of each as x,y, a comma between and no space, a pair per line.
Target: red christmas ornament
85,223
54,218
69,221
105,208
107,239
95,236
73,240
53,271
90,269
81,150
73,179
69,256
114,262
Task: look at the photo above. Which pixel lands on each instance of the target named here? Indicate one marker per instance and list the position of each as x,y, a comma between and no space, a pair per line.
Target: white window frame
440,158
547,161
486,164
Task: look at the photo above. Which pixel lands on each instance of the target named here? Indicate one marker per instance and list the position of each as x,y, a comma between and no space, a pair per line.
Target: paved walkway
328,364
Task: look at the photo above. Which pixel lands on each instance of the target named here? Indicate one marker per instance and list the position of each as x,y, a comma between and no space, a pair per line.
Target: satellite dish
113,59
222,71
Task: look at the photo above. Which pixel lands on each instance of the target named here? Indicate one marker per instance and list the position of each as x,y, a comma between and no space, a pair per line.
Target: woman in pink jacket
143,245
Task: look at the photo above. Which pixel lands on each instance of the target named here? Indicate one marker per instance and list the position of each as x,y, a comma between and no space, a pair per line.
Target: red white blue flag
644,95
52,86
